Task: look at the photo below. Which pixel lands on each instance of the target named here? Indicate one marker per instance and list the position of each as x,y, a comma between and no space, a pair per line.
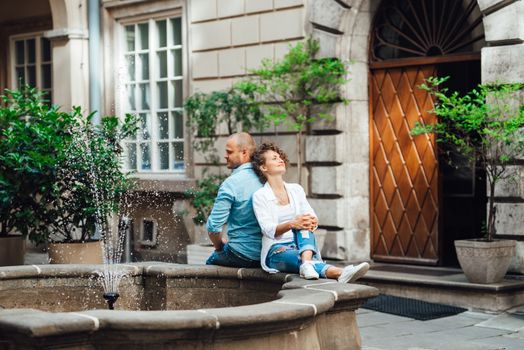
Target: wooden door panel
404,169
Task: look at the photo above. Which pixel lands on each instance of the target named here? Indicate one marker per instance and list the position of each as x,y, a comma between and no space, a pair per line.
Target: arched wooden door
411,41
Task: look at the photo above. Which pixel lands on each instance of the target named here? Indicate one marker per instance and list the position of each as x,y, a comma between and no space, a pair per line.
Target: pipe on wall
94,59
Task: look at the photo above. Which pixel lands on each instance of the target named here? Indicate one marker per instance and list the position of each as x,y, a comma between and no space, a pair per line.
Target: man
234,206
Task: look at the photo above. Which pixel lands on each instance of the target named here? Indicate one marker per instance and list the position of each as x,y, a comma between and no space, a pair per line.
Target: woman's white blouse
286,213
266,208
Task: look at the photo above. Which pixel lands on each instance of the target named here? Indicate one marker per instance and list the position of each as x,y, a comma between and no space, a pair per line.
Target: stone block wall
230,37
502,62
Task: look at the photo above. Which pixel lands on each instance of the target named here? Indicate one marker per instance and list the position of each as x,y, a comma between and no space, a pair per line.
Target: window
153,90
32,64
148,232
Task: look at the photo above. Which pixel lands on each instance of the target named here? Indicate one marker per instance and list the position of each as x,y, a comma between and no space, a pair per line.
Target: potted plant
89,187
51,162
31,134
485,126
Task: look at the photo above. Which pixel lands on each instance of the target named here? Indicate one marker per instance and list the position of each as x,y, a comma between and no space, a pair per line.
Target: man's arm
216,239
219,215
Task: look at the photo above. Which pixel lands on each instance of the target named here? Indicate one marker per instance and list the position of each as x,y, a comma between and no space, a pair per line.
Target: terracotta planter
485,262
75,253
12,250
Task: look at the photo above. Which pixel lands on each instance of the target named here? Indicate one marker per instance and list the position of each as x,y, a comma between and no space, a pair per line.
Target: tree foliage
300,89
484,125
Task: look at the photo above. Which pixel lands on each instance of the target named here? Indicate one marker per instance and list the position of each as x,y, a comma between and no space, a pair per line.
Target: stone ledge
445,285
507,221
43,324
295,305
505,24
327,13
58,270
512,186
324,148
502,64
489,6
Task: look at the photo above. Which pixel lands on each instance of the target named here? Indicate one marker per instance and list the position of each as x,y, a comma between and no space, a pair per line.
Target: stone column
69,41
338,153
502,63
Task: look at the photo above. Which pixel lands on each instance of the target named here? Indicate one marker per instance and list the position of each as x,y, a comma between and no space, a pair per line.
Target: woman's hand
314,223
304,222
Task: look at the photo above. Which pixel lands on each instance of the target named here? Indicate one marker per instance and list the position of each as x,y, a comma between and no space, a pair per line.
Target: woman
288,221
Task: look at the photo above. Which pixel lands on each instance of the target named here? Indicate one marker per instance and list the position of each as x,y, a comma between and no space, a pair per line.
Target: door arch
410,41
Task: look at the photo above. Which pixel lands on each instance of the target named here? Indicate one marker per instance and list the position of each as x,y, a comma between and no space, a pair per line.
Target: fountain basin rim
298,301
292,305
62,270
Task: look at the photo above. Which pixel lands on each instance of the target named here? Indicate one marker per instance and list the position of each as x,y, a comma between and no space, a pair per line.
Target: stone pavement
466,331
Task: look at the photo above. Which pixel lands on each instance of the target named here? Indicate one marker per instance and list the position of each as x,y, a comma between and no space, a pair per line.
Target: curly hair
259,159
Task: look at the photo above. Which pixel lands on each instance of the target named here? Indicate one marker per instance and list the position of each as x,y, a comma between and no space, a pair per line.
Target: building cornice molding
66,33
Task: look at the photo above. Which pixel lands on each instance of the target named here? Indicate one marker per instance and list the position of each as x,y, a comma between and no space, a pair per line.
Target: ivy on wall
295,91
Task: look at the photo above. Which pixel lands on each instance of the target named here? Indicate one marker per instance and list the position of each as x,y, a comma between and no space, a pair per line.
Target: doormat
412,308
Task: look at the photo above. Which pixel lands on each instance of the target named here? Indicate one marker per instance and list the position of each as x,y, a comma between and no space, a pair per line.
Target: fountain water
112,238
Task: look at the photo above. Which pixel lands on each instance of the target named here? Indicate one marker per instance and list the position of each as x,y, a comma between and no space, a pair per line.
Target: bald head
245,141
239,149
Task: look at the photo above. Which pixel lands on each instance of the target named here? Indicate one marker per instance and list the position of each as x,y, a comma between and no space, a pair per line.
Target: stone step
445,286
197,253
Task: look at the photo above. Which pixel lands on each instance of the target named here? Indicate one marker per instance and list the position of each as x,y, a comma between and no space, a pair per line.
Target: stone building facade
177,47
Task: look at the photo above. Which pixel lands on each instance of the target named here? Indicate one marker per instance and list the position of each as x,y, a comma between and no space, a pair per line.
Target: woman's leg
284,258
333,272
349,273
306,244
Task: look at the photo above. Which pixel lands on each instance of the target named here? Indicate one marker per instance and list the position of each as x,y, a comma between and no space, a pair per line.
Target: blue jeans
227,257
285,257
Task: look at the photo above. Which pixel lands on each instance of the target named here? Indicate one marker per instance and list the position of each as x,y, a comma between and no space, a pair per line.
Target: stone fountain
173,306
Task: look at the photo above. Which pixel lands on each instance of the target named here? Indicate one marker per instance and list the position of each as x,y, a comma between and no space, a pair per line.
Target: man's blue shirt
234,205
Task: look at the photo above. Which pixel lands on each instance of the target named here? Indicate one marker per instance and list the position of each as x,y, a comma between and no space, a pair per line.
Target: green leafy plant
32,137
485,126
203,197
51,162
300,89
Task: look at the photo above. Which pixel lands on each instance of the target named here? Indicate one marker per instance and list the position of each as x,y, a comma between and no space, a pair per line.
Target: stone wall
228,38
502,62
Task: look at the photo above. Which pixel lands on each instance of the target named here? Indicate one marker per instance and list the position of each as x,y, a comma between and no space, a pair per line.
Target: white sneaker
308,272
352,273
